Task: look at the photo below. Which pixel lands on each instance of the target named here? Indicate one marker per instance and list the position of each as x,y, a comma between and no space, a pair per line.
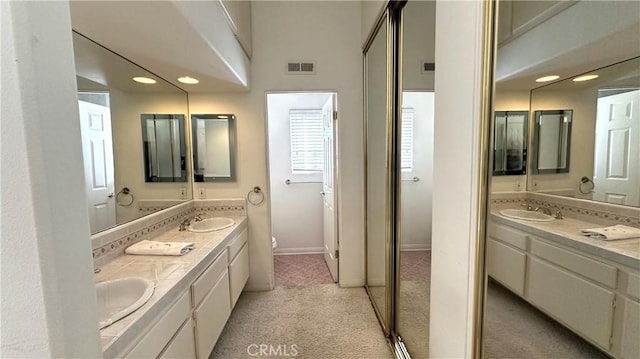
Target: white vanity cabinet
506,256
594,297
210,296
162,337
238,266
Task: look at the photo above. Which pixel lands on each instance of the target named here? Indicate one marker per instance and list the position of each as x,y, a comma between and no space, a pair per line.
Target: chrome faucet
544,210
529,206
187,221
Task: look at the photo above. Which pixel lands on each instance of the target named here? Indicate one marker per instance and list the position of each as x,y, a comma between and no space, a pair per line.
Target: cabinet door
506,265
211,316
585,307
183,344
631,330
238,274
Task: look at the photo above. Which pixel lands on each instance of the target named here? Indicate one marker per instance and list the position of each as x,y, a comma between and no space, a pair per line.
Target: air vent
427,67
301,67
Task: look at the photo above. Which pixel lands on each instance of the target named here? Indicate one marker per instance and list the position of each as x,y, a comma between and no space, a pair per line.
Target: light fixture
144,80
585,78
188,80
547,78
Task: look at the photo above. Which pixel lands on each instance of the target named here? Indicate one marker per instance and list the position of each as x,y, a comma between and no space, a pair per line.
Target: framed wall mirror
164,148
510,143
552,141
214,147
111,104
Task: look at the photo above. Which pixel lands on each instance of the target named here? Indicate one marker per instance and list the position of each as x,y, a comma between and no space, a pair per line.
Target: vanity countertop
172,276
566,232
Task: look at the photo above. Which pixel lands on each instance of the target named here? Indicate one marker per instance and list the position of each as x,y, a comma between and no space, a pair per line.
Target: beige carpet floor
320,321
515,329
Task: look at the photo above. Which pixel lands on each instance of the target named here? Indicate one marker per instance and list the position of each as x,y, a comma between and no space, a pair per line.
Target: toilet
274,243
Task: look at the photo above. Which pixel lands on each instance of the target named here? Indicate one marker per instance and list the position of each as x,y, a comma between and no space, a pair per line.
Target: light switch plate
203,193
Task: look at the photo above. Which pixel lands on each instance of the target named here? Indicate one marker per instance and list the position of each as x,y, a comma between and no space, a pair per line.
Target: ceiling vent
427,67
301,68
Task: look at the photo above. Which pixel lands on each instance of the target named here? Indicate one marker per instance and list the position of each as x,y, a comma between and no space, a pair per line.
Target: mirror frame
525,132
536,142
197,176
146,148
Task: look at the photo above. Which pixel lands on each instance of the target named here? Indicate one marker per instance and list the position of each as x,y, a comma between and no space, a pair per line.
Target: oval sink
211,224
526,215
120,297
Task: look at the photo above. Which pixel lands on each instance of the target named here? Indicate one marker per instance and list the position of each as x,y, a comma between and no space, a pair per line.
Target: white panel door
328,193
97,151
617,149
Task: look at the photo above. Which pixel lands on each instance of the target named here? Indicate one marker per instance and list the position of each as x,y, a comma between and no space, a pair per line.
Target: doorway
301,162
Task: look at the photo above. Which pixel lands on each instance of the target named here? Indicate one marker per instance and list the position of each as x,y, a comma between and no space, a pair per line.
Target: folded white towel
612,233
155,248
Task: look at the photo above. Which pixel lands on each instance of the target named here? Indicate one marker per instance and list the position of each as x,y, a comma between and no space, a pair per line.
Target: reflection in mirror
510,143
552,141
164,148
415,139
376,137
110,103
605,134
214,147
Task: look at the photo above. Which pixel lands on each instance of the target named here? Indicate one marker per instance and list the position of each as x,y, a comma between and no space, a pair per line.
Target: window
406,141
306,130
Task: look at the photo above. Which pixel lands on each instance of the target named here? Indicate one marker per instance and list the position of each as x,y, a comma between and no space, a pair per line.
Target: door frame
336,168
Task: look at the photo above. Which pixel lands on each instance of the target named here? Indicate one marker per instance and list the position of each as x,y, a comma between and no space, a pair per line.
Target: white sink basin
526,215
211,224
120,297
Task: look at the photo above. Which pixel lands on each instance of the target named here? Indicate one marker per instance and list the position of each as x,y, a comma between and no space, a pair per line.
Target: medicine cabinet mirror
552,141
510,143
164,148
214,147
111,105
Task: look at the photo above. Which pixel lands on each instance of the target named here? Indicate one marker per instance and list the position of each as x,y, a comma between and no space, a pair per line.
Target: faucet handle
559,215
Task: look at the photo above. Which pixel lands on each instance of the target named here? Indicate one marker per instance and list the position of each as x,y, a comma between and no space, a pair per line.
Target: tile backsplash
111,243
586,210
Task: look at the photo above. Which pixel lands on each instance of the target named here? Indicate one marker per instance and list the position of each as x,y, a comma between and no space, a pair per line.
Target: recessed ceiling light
547,78
188,80
144,80
585,78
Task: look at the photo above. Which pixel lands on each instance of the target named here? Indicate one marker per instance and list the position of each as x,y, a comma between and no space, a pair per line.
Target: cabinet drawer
633,285
508,235
581,305
587,267
207,280
211,316
183,344
157,338
236,244
238,274
506,265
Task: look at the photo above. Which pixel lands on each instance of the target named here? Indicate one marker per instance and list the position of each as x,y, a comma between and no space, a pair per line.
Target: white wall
515,100
419,44
48,300
416,196
459,30
296,209
285,31
369,10
126,109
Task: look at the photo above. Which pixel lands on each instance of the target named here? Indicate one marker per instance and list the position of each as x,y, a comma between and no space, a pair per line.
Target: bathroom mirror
214,147
111,105
552,141
605,134
164,148
510,143
377,135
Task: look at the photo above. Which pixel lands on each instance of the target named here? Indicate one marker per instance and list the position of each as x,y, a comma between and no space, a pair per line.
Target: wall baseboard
415,247
291,251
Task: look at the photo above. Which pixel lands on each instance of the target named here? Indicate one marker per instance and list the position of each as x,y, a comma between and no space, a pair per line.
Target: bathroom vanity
193,298
590,286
